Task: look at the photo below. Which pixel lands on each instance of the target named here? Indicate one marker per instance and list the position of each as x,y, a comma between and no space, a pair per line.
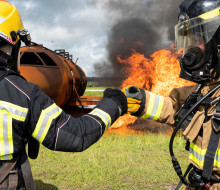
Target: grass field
114,162
94,91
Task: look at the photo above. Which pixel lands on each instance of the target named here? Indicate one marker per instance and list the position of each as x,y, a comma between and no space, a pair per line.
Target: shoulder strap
26,171
213,144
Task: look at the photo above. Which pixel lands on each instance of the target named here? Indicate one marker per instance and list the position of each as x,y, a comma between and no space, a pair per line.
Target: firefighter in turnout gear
195,109
28,116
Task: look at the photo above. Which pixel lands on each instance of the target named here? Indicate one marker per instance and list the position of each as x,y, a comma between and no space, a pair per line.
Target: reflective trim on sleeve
8,112
105,117
197,155
45,120
16,112
154,108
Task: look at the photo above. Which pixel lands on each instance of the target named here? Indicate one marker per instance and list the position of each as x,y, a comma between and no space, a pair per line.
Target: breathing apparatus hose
176,164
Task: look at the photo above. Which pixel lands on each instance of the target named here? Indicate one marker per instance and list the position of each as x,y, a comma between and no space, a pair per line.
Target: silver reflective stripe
8,112
196,154
13,109
5,136
199,158
155,108
45,121
105,117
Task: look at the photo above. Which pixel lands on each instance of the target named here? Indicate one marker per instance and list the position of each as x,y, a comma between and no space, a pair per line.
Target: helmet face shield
196,32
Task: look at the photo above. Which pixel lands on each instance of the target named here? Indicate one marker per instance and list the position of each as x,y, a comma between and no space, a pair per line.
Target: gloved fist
136,99
118,97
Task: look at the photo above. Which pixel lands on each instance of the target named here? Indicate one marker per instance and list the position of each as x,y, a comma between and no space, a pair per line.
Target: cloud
75,26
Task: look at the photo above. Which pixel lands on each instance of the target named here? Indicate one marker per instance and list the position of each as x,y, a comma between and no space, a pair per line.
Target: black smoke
144,26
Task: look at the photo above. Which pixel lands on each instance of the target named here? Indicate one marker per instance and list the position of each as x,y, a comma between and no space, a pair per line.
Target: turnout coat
198,132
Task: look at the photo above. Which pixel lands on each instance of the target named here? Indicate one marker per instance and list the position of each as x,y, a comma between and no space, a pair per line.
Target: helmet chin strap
10,61
5,56
14,61
3,63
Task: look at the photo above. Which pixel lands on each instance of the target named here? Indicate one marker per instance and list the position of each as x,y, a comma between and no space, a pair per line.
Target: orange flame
160,75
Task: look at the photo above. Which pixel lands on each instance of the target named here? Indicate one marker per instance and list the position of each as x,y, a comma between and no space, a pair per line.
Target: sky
88,29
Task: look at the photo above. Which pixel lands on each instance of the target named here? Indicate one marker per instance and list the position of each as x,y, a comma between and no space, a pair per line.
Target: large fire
160,75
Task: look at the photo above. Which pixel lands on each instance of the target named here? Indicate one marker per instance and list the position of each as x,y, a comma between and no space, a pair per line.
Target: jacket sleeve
163,109
56,130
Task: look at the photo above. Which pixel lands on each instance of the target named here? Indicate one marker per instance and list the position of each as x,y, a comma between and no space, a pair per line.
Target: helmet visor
196,32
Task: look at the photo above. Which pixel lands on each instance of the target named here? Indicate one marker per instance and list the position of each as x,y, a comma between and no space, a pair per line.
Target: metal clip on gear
176,164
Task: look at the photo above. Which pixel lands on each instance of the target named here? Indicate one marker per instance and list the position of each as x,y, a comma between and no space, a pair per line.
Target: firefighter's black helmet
197,36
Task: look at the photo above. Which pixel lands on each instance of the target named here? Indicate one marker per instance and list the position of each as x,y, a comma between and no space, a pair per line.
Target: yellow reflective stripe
105,117
1,136
8,112
14,116
197,149
45,120
197,155
21,109
16,112
216,163
10,136
210,14
150,106
218,152
154,108
182,187
6,157
160,107
200,163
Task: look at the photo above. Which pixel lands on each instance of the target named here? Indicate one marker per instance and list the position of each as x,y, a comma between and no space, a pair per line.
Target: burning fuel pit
130,125
144,125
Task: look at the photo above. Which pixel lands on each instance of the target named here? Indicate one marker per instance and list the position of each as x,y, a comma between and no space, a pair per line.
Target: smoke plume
144,26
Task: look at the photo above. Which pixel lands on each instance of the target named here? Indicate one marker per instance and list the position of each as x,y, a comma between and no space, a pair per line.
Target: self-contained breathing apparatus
183,117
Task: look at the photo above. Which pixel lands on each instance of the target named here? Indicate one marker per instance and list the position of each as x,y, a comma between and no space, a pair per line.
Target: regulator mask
196,41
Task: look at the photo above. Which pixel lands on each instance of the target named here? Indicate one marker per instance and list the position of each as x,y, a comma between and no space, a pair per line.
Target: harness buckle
216,122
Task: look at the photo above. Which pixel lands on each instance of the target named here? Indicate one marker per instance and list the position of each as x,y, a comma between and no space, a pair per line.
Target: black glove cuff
141,109
119,98
109,106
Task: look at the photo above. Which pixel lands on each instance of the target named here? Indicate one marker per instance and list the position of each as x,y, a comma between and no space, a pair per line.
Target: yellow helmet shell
9,21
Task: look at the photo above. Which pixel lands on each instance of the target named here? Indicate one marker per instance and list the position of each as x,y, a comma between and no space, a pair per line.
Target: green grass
96,88
89,91
114,162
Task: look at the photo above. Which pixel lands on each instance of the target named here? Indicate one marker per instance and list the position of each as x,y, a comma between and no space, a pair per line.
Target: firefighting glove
136,99
118,97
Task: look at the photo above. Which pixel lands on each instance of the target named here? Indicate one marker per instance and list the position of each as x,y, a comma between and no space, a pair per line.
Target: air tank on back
54,71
